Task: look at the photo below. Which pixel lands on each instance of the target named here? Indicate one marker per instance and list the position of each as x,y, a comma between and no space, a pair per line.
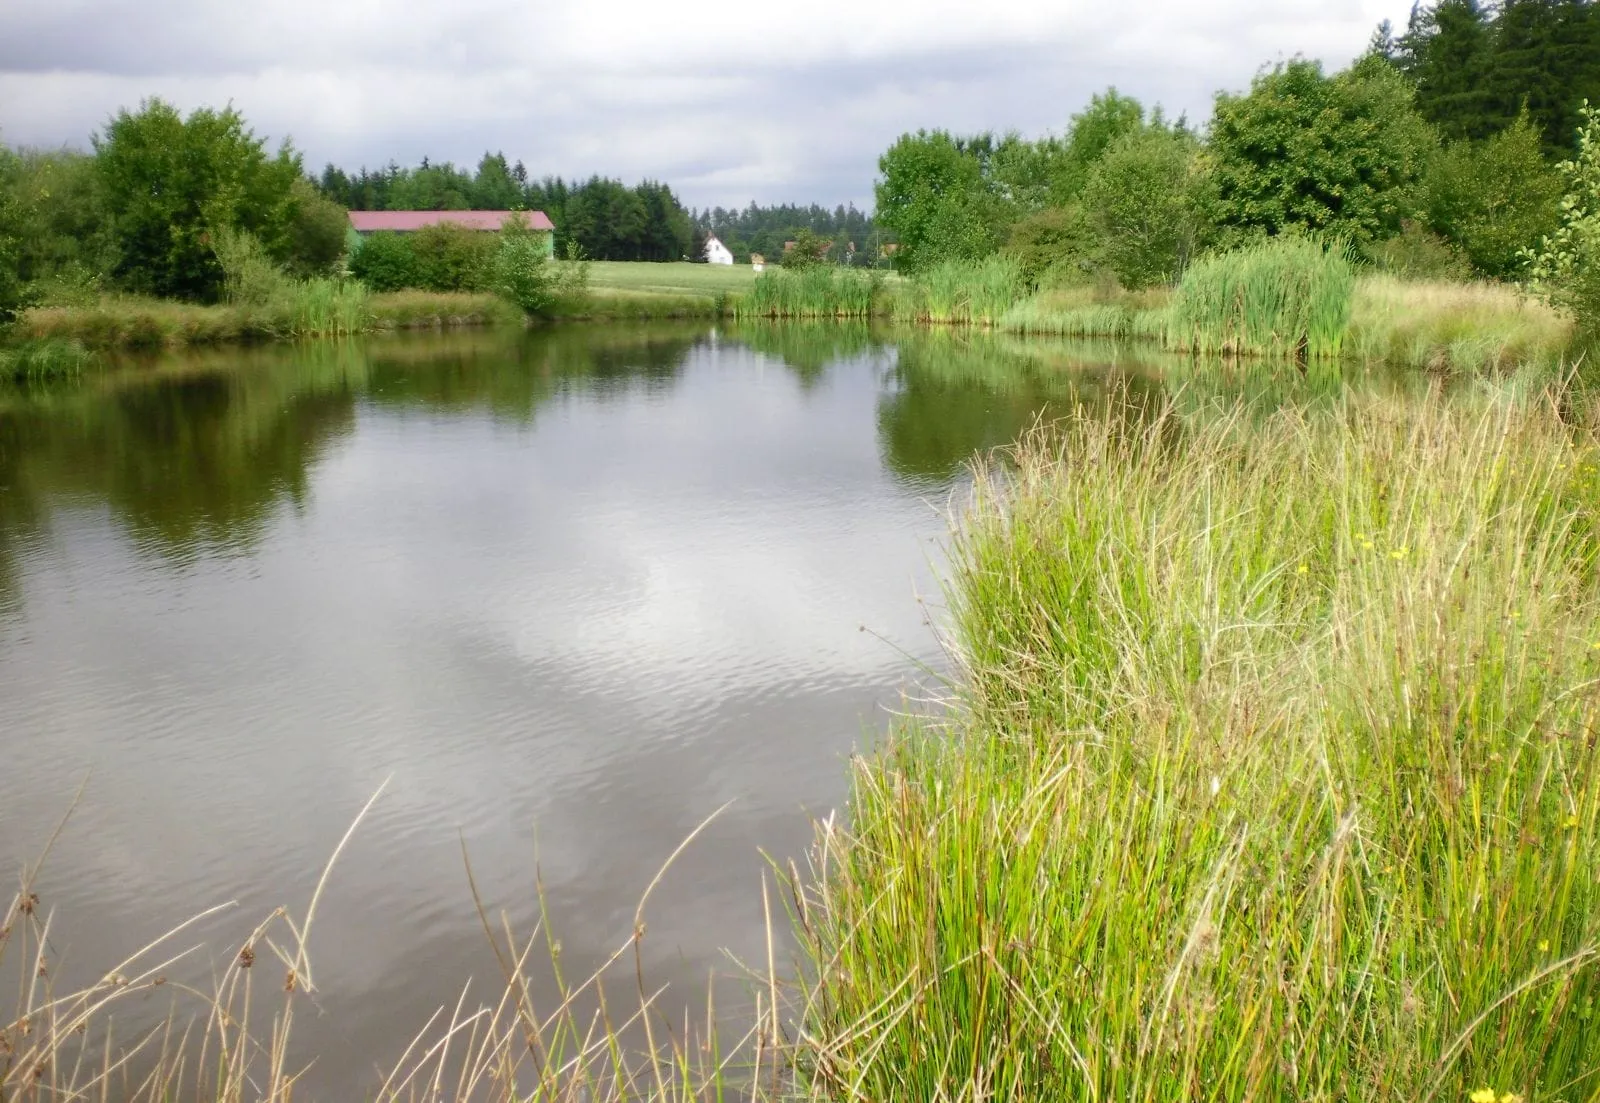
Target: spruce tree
1448,51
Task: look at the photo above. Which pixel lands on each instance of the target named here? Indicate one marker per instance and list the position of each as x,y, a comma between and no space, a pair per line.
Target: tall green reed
964,292
1285,295
327,308
820,291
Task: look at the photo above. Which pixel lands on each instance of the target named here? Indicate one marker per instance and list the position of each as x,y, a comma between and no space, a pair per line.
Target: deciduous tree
169,181
1340,155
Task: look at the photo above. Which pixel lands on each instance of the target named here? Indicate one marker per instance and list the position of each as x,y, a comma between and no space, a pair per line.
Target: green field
677,278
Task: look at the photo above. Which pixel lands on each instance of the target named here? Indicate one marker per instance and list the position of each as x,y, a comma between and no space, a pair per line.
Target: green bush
807,251
1566,265
1141,197
1339,155
1055,245
452,258
1495,198
386,262
249,276
317,232
1416,254
522,273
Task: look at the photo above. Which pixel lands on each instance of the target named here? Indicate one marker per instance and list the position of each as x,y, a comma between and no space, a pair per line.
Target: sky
727,102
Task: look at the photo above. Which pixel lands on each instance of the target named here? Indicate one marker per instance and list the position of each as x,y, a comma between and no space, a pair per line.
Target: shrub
1495,198
1566,264
1416,254
386,262
807,251
523,274
453,258
249,276
1057,244
1141,198
316,233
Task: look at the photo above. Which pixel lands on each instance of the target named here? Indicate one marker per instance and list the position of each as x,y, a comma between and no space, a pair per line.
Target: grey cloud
722,127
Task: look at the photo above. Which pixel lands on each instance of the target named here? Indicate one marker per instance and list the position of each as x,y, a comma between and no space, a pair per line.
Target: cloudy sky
728,101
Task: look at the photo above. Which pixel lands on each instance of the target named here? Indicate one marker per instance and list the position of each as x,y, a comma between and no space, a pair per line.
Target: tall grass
821,291
1091,312
1287,295
310,308
963,292
328,308
1440,325
50,358
540,1037
1273,774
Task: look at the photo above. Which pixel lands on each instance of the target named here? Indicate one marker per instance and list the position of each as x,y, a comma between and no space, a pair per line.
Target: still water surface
571,591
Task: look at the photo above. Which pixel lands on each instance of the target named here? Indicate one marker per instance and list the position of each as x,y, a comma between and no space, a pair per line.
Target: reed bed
959,292
627,304
41,359
1272,773
309,308
1091,313
821,291
328,308
1284,296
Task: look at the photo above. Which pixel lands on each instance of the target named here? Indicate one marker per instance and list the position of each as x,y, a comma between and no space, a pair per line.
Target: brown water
571,592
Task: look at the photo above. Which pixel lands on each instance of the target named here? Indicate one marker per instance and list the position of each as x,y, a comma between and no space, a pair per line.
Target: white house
718,253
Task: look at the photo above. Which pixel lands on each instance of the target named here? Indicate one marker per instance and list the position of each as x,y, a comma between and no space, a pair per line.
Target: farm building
363,223
717,253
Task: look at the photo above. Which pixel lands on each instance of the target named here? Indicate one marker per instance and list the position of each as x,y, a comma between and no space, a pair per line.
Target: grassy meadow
675,278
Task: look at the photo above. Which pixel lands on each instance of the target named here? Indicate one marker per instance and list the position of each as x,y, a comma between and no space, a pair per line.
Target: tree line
764,231
1477,66
604,218
1383,157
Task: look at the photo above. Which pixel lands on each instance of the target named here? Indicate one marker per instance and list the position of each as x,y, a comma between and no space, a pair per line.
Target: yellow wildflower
1399,553
1544,945
1303,569
1485,1095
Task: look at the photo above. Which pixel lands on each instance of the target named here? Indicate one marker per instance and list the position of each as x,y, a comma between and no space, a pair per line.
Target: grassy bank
1436,326
324,309
1272,775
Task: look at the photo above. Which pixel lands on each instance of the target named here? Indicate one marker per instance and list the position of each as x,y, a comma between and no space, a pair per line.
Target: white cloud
726,100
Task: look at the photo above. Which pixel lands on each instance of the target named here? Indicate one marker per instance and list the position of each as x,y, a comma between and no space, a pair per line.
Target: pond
571,592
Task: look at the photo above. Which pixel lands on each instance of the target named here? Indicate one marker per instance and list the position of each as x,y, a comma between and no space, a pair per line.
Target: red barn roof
368,221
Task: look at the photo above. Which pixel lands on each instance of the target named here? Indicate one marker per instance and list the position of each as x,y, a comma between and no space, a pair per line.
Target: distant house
758,262
363,223
716,252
